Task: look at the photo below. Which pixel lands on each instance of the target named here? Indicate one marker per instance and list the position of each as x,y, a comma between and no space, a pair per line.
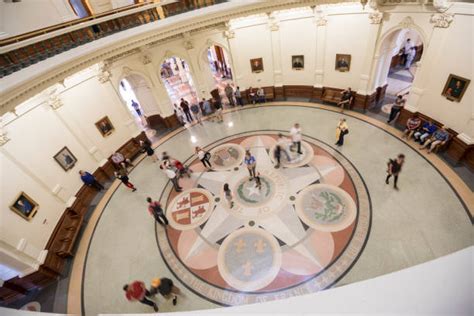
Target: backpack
156,207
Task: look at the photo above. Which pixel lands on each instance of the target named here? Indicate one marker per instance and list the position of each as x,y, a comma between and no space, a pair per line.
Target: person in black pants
90,180
277,155
154,207
185,107
204,157
165,287
394,167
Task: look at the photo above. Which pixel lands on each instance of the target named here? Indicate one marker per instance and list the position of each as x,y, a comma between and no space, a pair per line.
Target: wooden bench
331,95
269,93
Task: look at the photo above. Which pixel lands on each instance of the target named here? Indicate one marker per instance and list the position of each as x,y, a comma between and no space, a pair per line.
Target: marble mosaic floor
326,218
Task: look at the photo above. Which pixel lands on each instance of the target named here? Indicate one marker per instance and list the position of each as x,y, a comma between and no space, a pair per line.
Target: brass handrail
49,29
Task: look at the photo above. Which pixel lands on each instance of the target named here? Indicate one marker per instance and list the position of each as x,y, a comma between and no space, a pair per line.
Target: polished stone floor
325,218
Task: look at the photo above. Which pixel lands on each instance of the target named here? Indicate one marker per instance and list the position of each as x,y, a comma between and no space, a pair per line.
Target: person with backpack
204,156
150,152
394,167
154,207
125,180
341,130
165,287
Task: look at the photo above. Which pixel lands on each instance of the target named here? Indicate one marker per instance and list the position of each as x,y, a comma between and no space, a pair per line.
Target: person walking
150,152
185,107
252,95
136,291
394,167
277,155
165,287
296,137
410,56
258,181
172,175
238,97
154,207
90,180
228,195
204,156
218,106
341,130
125,180
397,106
282,143
229,92
251,163
196,112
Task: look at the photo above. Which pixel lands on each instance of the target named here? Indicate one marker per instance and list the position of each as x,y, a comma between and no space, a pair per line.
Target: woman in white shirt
296,136
204,157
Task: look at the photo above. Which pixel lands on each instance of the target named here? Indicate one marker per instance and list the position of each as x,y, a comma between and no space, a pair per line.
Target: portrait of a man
24,206
256,64
343,62
455,87
65,159
104,126
297,62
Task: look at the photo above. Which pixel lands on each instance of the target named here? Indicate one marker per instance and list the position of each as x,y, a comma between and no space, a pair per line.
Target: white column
74,127
165,108
367,77
432,53
229,34
129,120
276,51
320,21
200,83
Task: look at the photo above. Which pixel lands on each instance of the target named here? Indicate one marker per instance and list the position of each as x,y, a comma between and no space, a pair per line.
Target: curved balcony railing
21,51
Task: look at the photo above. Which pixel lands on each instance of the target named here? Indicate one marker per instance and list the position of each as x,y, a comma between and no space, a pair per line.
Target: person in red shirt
136,291
154,207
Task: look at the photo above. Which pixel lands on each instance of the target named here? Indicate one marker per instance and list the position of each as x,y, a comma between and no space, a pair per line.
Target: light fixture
193,139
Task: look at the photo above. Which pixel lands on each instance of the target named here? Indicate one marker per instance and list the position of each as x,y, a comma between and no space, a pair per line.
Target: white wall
26,16
27,162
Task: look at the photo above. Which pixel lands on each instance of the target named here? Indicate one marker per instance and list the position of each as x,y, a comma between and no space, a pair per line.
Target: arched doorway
136,92
221,70
178,81
398,56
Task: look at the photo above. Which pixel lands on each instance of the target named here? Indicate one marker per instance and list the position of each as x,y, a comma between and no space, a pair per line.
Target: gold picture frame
24,206
256,64
65,159
343,62
105,126
455,88
297,62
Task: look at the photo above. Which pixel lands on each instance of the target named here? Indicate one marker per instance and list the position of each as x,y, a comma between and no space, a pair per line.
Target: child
228,195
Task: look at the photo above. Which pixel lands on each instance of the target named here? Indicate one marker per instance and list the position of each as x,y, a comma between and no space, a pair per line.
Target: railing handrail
83,22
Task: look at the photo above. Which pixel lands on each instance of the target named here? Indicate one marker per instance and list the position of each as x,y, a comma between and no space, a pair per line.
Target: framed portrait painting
24,206
256,64
455,87
297,62
65,159
343,62
105,127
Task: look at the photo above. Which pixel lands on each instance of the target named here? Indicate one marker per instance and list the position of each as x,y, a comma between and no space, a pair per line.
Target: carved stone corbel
375,17
442,20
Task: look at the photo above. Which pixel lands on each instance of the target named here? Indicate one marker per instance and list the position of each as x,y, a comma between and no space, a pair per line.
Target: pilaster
274,27
320,21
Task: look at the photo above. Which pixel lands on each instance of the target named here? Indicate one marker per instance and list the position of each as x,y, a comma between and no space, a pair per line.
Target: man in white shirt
295,133
171,174
407,50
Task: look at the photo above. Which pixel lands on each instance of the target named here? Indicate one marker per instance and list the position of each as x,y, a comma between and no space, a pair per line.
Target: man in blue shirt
440,137
90,180
426,131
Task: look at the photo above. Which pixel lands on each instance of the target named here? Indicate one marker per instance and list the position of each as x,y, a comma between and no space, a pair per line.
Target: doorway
221,70
178,80
399,54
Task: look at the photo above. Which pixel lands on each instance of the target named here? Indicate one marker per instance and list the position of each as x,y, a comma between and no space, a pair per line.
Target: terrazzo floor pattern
422,221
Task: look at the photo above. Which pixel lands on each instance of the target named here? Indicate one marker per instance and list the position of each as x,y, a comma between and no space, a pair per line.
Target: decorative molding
375,17
55,101
441,5
145,58
104,71
126,71
188,42
442,20
321,21
407,22
3,138
273,23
